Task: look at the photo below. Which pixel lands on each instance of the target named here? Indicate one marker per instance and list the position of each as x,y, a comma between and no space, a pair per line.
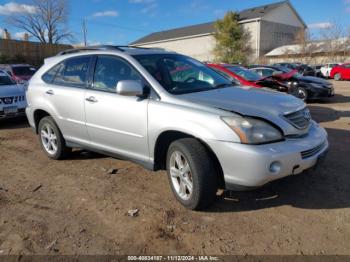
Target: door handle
91,99
50,92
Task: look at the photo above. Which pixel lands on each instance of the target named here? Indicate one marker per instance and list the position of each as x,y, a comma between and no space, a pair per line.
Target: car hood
11,90
312,79
262,103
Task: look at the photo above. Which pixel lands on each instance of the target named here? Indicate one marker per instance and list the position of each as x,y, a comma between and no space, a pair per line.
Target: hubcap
49,139
181,175
301,94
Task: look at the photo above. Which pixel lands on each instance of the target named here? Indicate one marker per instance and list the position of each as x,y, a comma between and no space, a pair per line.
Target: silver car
170,112
12,97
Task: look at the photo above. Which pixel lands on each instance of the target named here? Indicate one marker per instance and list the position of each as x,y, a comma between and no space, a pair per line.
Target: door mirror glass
130,88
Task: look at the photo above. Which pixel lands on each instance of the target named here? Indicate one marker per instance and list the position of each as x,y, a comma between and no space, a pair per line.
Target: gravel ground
76,207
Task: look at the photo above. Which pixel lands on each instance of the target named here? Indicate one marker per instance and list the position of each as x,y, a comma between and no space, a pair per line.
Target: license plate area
10,110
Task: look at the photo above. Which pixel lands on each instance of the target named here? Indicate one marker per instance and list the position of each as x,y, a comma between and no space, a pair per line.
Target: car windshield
23,70
244,73
180,74
288,70
5,80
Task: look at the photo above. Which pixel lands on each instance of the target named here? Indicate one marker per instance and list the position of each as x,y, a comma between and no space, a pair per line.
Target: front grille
313,151
11,99
300,119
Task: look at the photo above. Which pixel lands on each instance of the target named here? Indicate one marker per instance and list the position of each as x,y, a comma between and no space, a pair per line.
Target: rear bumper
30,117
256,165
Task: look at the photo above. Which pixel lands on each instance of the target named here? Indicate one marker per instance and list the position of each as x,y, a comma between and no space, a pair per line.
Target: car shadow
324,114
336,99
14,123
82,154
327,187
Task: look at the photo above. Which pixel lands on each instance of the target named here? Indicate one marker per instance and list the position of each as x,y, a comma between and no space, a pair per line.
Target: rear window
23,70
71,72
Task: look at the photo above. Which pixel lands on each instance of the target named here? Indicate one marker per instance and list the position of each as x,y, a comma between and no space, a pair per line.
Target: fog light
275,167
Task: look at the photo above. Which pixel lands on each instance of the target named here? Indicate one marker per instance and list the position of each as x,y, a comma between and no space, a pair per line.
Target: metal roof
207,28
313,47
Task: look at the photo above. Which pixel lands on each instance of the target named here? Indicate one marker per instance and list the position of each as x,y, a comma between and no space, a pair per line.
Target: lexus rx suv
170,112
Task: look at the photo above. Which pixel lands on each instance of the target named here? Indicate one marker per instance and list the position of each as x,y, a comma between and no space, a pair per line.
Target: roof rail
102,47
89,48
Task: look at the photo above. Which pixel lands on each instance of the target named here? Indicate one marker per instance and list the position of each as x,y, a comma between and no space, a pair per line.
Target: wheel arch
38,115
167,137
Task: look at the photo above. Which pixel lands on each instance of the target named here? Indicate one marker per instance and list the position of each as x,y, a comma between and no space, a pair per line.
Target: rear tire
189,161
337,77
51,139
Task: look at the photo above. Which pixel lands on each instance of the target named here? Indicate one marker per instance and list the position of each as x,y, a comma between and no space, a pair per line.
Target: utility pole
84,32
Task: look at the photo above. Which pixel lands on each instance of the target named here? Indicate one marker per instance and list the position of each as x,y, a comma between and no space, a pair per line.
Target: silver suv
170,112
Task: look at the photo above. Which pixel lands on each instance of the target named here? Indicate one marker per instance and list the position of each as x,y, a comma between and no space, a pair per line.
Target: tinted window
23,70
110,70
50,75
179,74
73,72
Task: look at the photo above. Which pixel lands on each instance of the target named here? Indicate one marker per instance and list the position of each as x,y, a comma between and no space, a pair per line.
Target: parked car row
336,71
277,77
167,111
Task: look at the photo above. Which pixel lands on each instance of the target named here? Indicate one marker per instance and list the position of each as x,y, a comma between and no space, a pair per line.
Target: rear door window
71,72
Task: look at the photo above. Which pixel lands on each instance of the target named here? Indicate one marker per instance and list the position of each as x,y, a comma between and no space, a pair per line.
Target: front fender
203,125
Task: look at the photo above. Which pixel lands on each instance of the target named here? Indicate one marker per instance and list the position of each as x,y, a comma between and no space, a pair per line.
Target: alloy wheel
181,175
49,139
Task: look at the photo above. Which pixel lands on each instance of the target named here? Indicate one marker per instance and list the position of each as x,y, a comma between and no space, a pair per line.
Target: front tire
337,77
51,139
302,94
191,173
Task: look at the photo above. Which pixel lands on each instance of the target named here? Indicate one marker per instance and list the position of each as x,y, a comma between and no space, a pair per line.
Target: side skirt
145,164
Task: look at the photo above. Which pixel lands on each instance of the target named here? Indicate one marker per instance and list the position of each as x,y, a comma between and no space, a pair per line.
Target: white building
270,26
313,52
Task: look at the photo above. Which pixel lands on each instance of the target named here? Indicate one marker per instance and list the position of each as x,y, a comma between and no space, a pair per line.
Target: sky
120,22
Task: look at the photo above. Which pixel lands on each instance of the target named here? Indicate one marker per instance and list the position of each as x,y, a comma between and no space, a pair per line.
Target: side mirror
130,88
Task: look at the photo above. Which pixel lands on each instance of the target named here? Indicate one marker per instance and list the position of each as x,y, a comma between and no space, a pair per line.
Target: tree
336,41
46,22
232,40
306,46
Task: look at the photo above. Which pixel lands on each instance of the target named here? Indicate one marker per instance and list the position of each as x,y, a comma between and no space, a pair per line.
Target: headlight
253,131
291,84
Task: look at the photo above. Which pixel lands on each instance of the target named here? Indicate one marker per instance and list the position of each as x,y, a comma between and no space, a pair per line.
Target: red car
244,76
341,72
247,77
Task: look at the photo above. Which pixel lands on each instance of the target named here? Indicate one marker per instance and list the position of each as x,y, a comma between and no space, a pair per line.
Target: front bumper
321,93
255,165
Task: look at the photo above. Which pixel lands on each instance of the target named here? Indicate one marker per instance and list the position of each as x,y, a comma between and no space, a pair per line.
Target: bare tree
335,42
306,46
47,23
